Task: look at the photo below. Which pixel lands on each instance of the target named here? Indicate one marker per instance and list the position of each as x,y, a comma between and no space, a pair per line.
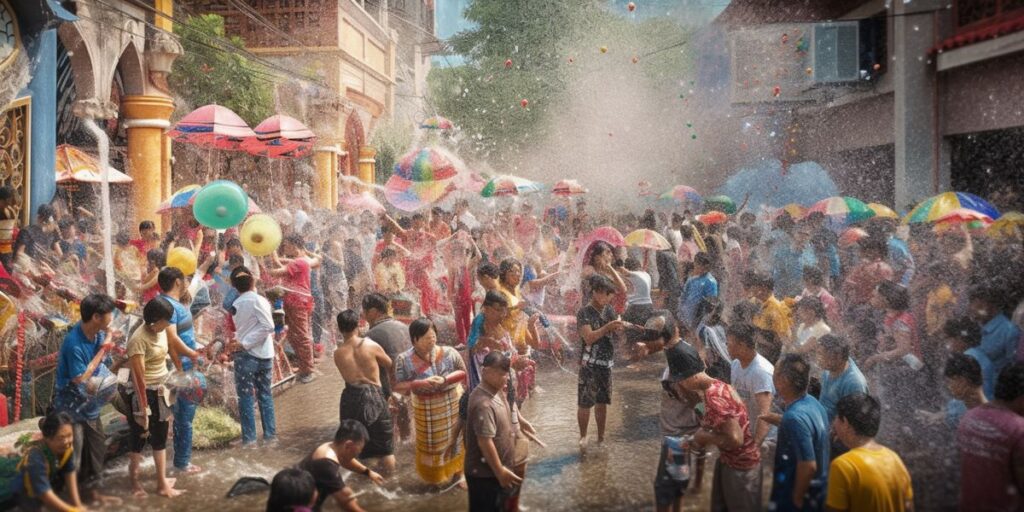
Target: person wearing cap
491,440
736,485
596,322
678,418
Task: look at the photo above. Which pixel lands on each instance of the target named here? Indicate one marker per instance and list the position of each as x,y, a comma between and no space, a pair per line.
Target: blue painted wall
42,52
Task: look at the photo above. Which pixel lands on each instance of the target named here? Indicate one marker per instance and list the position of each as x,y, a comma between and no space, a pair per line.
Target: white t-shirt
640,291
805,332
748,382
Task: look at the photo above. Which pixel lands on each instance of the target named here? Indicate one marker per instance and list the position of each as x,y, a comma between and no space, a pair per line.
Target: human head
601,252
661,326
857,416
961,333
418,221
487,274
810,310
67,227
872,249
891,296
423,334
813,278
233,246
349,440
1010,387
46,214
242,280
702,262
983,304
747,219
58,431
495,306
387,255
292,245
348,322
156,258
7,196
758,286
833,352
375,306
963,375
791,377
290,490
147,229
602,290
97,310
496,366
157,314
170,278
510,273
632,264
740,341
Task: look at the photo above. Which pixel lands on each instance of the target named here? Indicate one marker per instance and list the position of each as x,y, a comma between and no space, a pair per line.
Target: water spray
103,146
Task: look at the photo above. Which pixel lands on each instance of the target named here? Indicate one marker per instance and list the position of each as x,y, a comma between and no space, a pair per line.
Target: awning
983,33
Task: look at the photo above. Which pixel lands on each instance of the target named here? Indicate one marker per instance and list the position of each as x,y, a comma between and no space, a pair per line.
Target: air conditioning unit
836,52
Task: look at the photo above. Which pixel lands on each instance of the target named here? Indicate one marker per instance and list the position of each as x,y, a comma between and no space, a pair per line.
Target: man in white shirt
253,349
751,376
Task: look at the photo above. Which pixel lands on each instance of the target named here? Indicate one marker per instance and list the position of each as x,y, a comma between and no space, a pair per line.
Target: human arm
71,479
138,369
355,466
53,502
903,346
93,363
727,436
764,406
505,476
805,470
264,326
591,335
177,347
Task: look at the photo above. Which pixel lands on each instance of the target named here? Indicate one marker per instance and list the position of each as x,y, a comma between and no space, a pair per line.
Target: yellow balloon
260,235
182,259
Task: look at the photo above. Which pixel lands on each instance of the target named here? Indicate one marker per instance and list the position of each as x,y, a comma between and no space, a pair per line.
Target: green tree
391,139
210,72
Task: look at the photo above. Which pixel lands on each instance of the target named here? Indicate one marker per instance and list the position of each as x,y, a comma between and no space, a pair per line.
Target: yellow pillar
146,118
334,179
324,169
164,13
367,164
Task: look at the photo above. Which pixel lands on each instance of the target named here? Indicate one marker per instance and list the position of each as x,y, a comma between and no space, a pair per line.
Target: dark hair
963,366
291,489
744,312
375,301
987,295
387,253
241,279
66,223
601,284
600,247
351,430
964,329
702,258
794,368
296,240
743,333
487,269
710,309
814,276
157,257
417,216
752,279
233,242
96,304
419,328
494,298
6,193
497,359
506,266
157,309
873,247
146,224
122,238
348,321
667,331
1010,384
53,421
236,260
167,277
862,412
896,297
835,345
45,211
631,264
814,304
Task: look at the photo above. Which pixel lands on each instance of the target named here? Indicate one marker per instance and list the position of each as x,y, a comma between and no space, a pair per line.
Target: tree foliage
209,73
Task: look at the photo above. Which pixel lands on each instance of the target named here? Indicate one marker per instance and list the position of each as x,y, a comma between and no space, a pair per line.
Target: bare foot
105,500
138,492
462,484
169,491
191,470
170,481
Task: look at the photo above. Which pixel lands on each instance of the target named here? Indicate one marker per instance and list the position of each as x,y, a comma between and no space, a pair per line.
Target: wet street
616,477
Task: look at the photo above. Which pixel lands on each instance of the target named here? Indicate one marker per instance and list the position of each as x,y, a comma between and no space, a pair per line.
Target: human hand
798,500
376,478
641,349
507,478
436,380
107,347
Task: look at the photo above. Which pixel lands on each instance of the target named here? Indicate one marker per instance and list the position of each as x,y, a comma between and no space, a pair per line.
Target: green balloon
220,204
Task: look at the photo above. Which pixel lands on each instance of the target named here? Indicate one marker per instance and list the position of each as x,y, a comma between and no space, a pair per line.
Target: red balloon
525,102
776,91
631,6
508,64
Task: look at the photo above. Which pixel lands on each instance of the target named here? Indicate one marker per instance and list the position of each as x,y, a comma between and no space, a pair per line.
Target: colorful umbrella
883,212
510,186
933,208
601,234
410,196
1009,225
212,127
844,209
180,199
647,239
426,164
361,202
75,165
280,136
720,203
437,123
852,236
794,210
713,217
681,194
566,188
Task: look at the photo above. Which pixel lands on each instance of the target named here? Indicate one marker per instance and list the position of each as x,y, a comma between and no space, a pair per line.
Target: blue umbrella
804,183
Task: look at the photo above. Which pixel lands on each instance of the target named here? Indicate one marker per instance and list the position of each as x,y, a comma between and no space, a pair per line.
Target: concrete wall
985,96
861,124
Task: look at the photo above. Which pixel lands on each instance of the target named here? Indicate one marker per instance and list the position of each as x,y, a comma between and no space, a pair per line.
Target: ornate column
146,119
326,162
367,164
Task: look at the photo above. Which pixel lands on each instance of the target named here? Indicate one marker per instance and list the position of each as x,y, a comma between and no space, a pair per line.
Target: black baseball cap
683,362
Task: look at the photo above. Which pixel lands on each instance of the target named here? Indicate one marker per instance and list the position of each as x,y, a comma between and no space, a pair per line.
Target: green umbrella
720,203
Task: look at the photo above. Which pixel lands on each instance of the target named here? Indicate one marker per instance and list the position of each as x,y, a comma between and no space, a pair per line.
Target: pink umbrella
280,136
212,127
361,202
602,234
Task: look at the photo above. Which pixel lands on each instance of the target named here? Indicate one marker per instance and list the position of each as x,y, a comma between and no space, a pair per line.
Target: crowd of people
816,361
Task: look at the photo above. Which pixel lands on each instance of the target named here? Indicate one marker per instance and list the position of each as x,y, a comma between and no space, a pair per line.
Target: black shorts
158,425
367,405
487,495
595,386
667,489
637,314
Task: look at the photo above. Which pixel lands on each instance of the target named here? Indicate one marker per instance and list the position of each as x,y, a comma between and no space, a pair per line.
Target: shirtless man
359,361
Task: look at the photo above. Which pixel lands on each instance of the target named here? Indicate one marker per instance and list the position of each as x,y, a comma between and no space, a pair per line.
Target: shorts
667,489
487,495
595,386
367,405
159,416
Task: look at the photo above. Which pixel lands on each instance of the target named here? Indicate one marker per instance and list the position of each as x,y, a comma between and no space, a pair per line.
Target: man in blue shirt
999,337
964,336
841,376
699,286
788,262
81,357
801,456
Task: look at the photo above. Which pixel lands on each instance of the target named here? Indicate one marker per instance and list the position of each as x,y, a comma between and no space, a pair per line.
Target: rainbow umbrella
566,188
437,123
933,208
713,217
510,186
361,202
212,127
426,164
180,199
720,203
883,212
75,165
647,239
1009,225
280,136
602,234
794,210
844,209
410,196
681,194
852,236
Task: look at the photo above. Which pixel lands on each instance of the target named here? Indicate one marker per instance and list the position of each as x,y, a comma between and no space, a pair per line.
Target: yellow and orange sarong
436,416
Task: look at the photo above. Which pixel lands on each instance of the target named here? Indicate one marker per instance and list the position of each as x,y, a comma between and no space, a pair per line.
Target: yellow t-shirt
776,317
153,349
869,479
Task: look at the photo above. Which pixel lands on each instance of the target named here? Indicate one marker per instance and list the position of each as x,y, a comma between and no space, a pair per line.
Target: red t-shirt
721,404
140,245
296,282
991,443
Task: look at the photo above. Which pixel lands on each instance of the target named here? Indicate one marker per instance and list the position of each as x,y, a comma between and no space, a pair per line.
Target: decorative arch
355,138
132,70
80,59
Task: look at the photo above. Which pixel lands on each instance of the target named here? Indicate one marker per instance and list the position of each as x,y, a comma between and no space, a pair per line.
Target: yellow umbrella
647,239
882,211
1009,225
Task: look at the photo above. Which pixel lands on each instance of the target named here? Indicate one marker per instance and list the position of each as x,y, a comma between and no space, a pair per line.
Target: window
874,46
